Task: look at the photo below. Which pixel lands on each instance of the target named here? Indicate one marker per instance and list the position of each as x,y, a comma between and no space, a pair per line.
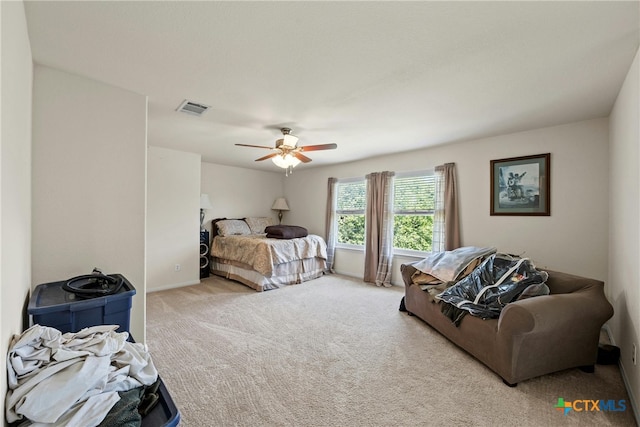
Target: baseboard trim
174,285
352,276
634,407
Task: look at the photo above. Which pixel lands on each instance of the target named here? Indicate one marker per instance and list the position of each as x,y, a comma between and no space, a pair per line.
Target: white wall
238,192
573,239
623,286
173,218
89,182
15,177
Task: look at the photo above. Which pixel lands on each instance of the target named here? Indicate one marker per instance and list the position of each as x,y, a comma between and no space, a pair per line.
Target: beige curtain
446,223
379,229
330,223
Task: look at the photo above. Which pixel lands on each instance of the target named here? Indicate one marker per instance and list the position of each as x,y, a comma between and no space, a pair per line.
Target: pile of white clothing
72,379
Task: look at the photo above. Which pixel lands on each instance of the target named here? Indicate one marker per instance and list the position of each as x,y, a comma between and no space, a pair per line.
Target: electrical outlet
178,267
633,354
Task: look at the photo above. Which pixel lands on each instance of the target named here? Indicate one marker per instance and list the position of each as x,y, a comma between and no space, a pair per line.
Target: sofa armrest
549,333
516,319
576,310
407,270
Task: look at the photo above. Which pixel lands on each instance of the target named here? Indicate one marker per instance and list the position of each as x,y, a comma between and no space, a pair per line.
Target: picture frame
521,186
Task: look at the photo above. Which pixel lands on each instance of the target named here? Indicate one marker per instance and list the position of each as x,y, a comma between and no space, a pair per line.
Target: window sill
410,254
396,252
354,248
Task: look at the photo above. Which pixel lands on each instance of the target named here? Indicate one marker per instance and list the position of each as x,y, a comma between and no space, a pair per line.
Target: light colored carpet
337,352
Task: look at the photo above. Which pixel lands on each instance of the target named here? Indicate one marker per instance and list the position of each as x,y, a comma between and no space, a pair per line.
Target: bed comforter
264,254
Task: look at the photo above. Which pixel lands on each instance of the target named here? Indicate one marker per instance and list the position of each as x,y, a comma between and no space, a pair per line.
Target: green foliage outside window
413,232
351,229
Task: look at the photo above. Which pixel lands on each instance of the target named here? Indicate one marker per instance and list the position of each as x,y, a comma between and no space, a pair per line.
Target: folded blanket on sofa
285,231
446,266
439,270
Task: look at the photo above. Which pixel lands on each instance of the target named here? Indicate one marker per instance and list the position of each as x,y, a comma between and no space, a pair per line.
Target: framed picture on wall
521,186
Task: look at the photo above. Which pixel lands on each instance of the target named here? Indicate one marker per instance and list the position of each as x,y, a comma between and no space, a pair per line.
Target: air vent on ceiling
192,108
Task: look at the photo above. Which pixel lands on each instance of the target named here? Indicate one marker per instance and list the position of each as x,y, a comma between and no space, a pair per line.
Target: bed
241,251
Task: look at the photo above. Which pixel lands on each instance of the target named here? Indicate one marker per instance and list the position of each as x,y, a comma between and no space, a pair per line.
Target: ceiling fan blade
301,157
319,147
268,156
255,146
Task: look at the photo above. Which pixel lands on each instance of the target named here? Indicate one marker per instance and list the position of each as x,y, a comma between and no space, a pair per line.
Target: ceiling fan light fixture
287,154
285,161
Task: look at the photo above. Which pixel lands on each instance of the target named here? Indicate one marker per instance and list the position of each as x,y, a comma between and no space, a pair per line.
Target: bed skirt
290,273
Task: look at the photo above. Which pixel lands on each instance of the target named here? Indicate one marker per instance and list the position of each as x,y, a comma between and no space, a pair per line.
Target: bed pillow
258,224
232,227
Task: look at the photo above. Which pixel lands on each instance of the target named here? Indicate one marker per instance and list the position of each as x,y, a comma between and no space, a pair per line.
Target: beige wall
623,286
175,181
89,182
15,177
573,239
173,218
237,192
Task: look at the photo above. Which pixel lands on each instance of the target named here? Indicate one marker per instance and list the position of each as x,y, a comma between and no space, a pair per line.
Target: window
350,209
413,208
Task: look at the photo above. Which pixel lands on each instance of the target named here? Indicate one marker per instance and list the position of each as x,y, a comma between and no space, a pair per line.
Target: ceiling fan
286,153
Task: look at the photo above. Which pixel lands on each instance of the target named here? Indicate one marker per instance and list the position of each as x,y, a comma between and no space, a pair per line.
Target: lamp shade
205,203
290,140
280,204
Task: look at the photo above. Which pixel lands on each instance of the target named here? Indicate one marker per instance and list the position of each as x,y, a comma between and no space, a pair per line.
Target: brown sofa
532,337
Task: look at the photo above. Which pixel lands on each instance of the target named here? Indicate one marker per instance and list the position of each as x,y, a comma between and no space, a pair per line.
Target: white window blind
414,195
351,197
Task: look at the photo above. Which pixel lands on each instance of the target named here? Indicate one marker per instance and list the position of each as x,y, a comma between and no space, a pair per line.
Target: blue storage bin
165,413
50,305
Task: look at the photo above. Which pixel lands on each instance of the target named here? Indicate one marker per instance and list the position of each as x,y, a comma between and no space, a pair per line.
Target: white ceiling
373,77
